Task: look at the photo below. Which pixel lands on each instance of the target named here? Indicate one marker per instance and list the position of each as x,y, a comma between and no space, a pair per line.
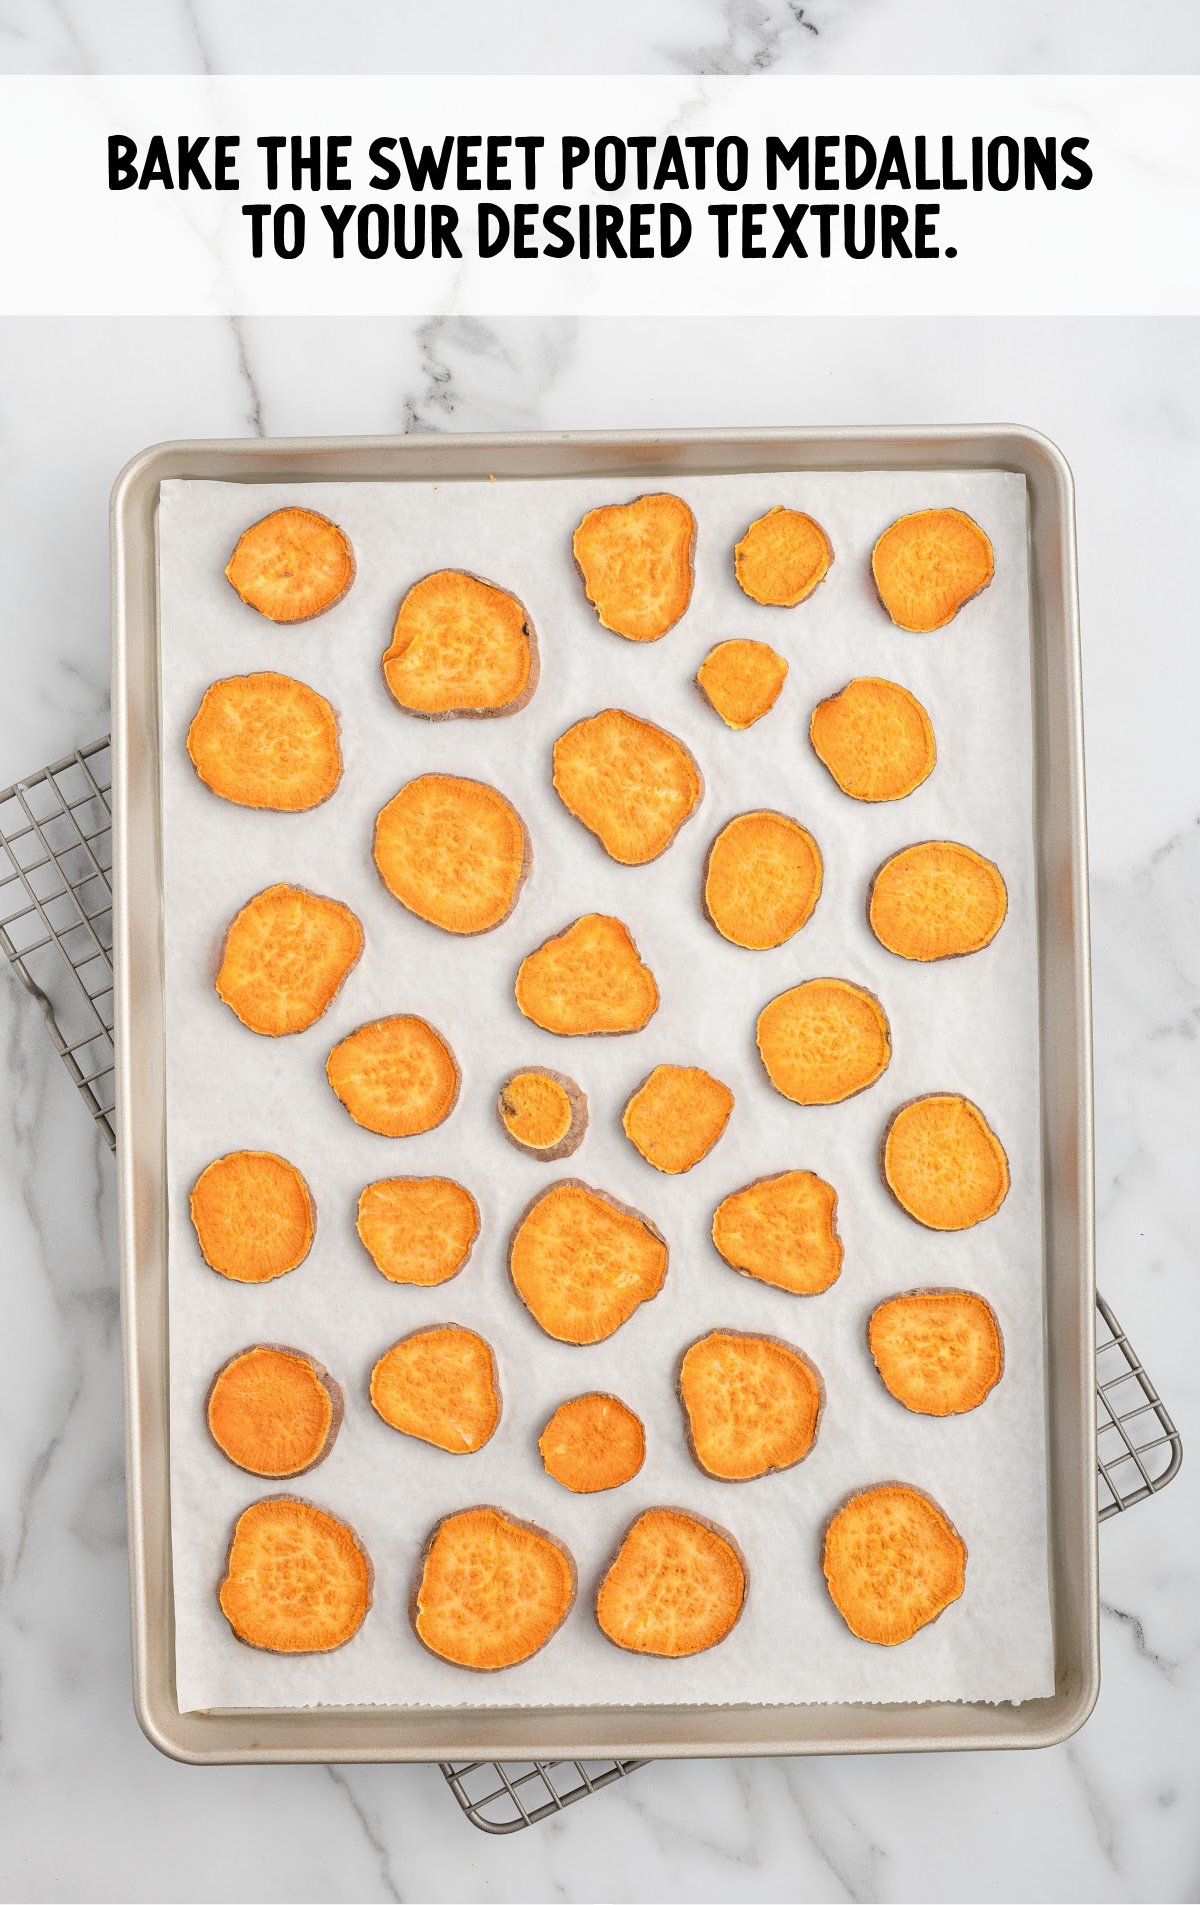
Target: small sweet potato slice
292,565
454,852
461,646
274,1411
285,958
943,1163
592,1443
939,1352
893,1562
631,784
253,1216
587,979
875,738
297,1580
762,879
636,563
782,557
439,1385
783,1231
677,1586
937,900
395,1076
492,1590
742,680
928,564
753,1404
823,1041
418,1230
266,741
676,1116
582,1263
543,1113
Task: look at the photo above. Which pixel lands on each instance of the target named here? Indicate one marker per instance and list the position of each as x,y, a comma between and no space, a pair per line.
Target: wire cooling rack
56,928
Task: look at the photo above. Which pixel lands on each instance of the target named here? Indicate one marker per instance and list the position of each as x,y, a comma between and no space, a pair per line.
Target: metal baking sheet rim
464,1733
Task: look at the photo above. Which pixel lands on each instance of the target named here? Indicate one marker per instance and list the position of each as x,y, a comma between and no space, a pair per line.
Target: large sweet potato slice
454,852
461,646
875,738
939,1352
395,1076
943,1163
824,1041
742,681
292,565
752,1404
439,1385
285,958
762,879
676,1116
582,1263
636,563
928,564
676,1587
492,1590
297,1581
782,1230
266,741
253,1216
418,1229
937,900
782,557
893,1562
543,1113
592,1443
588,978
631,784
274,1411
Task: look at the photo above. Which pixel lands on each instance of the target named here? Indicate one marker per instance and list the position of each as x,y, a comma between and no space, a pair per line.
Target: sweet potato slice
752,1403
893,1562
676,1116
636,563
783,1231
823,1041
875,738
418,1230
939,1352
253,1216
461,646
439,1385
943,1163
928,564
395,1076
297,1580
782,557
592,1443
762,879
587,979
937,900
492,1590
677,1586
543,1113
582,1263
742,681
292,565
631,784
266,741
454,852
285,958
274,1411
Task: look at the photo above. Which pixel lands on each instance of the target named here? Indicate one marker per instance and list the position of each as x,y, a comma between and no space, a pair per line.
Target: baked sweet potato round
893,1562
439,1385
943,1163
592,1443
875,738
782,558
939,1352
783,1231
297,1580
266,741
762,879
676,1587
742,681
631,783
253,1216
937,900
455,852
397,1076
752,1404
292,565
676,1115
582,1263
636,563
542,1113
588,979
274,1411
285,959
491,1591
461,646
928,564
823,1041
418,1230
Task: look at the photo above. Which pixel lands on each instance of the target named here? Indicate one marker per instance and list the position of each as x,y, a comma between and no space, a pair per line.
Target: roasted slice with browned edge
542,1113
676,1116
292,565
439,1385
893,1562
285,958
875,738
297,1580
492,1590
943,1163
253,1216
752,1403
937,900
631,784
762,879
939,1352
928,564
742,681
823,1041
274,1411
461,646
636,563
587,979
266,741
782,557
677,1586
454,852
783,1231
396,1076
582,1263
592,1443
418,1230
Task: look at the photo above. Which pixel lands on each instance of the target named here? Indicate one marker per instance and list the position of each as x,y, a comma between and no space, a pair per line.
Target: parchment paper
968,1025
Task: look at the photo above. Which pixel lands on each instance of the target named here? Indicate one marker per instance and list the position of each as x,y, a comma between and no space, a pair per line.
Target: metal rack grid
56,928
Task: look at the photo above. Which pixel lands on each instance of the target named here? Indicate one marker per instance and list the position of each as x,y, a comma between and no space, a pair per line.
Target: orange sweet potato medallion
875,738
587,979
631,784
943,1163
292,565
782,1230
582,1263
395,1076
274,1411
253,1216
824,1041
939,1352
636,563
782,557
461,646
418,1229
928,564
677,1586
937,900
752,1404
676,1116
492,1590
742,681
285,958
592,1443
454,852
297,1580
762,880
542,1113
439,1385
266,741
893,1562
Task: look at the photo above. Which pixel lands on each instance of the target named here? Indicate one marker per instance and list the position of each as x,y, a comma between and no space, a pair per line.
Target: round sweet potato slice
893,1562
461,646
396,1076
582,1263
285,958
292,565
592,1443
274,1411
439,1385
253,1216
676,1115
937,900
454,852
636,563
587,979
762,879
939,1352
875,738
823,1041
631,783
677,1586
742,681
297,1580
542,1113
753,1404
943,1163
928,564
783,1231
266,741
782,558
491,1591
418,1230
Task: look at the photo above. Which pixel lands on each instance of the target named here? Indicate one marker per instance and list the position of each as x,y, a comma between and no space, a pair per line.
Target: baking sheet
967,1025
